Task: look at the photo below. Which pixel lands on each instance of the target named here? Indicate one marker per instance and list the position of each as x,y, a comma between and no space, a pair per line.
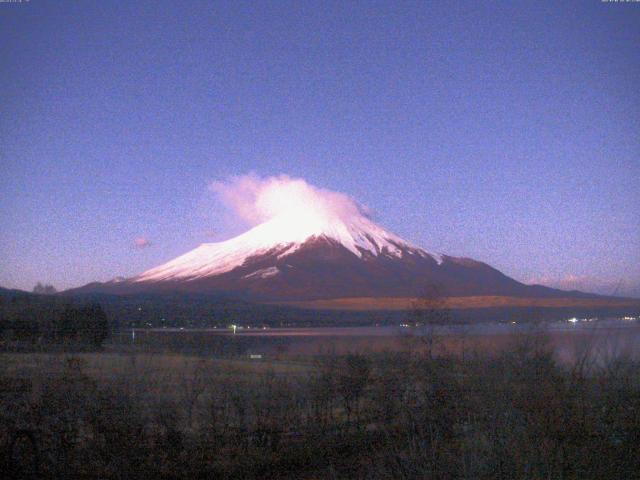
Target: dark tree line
87,324
27,320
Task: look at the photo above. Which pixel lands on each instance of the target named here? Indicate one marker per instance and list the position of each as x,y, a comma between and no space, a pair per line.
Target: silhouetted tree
428,312
88,324
66,326
44,289
95,324
352,382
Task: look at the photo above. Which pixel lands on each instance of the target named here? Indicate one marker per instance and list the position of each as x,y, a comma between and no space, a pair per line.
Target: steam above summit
257,200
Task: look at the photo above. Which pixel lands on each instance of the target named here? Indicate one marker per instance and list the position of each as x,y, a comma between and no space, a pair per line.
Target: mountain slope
282,236
313,256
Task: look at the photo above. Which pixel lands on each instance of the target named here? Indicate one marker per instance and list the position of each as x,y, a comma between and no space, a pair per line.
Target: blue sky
502,131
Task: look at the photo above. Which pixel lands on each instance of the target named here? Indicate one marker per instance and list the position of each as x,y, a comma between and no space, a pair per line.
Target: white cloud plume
256,199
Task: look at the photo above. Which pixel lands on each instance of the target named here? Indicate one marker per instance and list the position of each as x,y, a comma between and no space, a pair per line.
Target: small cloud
142,242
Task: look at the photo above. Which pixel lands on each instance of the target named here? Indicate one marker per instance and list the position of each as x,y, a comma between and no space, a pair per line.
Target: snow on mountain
284,234
310,243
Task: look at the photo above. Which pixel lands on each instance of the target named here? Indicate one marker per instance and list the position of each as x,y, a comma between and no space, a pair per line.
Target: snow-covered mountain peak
310,243
283,235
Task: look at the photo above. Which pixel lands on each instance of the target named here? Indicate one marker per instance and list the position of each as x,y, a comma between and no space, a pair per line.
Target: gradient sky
505,132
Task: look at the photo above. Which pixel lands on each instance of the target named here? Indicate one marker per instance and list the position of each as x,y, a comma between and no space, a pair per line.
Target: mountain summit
281,237
314,244
311,255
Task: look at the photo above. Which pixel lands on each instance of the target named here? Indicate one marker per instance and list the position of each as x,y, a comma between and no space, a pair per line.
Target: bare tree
428,312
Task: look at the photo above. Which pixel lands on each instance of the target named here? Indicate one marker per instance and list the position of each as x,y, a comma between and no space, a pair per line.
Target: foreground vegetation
392,415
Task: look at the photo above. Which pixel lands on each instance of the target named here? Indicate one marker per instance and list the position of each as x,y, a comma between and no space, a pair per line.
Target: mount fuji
311,252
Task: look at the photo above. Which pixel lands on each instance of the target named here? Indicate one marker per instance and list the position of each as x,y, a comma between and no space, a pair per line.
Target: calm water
575,325
605,338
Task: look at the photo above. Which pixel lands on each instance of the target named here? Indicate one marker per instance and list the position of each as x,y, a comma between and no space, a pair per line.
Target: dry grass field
406,303
166,375
421,410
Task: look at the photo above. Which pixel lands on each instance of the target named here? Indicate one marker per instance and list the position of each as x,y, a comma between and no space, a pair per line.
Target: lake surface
604,338
486,328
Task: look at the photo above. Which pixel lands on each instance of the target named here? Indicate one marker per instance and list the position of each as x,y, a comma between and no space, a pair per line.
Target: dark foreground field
415,412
